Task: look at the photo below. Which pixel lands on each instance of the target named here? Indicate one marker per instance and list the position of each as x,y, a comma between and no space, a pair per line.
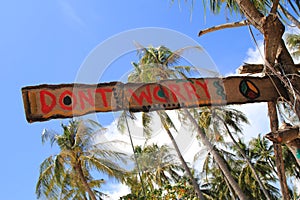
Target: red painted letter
176,92
143,95
190,90
47,108
83,97
103,91
204,87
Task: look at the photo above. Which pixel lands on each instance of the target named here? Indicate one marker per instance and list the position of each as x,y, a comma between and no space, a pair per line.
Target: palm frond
58,168
146,122
106,166
49,135
58,177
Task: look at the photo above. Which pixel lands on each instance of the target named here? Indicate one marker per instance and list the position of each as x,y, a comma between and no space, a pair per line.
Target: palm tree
224,120
241,171
291,165
67,175
293,42
263,152
215,180
266,17
255,168
159,167
217,157
156,64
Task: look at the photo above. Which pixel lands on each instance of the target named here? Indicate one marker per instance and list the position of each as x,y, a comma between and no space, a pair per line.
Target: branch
223,26
274,7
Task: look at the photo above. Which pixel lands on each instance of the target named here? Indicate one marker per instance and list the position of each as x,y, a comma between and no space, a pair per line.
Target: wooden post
278,151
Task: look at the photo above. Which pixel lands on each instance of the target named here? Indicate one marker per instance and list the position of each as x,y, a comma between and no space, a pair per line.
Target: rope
135,156
285,81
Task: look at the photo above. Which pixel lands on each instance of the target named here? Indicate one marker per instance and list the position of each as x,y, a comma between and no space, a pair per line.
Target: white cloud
255,55
292,30
257,114
188,144
185,138
116,191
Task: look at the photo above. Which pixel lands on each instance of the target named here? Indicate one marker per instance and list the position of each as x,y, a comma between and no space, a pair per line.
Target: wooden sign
44,102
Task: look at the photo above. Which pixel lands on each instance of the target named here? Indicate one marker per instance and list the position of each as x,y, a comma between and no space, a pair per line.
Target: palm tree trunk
83,181
186,168
217,157
261,185
230,189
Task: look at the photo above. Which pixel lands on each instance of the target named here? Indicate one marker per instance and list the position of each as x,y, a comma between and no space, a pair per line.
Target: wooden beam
255,68
278,150
44,102
284,136
289,136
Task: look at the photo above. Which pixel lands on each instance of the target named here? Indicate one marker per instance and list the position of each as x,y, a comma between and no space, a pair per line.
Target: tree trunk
262,187
273,30
186,168
275,48
232,194
83,181
278,152
217,157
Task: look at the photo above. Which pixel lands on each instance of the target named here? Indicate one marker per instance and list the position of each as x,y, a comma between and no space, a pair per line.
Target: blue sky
47,41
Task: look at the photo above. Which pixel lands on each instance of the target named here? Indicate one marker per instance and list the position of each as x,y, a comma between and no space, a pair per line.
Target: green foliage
242,173
260,152
79,150
290,164
179,190
162,176
293,42
287,9
158,166
158,64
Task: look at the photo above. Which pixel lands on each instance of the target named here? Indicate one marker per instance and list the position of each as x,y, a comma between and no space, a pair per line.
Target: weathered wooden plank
284,136
44,102
255,68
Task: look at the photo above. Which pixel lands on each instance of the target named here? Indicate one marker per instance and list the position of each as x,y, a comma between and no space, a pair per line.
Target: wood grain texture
44,102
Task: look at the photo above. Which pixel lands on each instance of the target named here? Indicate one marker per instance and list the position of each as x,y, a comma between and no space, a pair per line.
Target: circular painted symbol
249,89
67,100
161,93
